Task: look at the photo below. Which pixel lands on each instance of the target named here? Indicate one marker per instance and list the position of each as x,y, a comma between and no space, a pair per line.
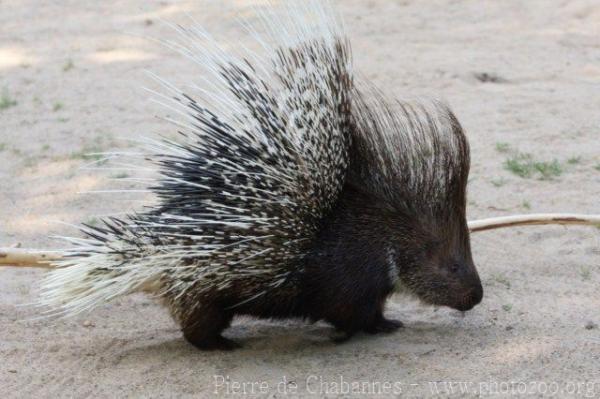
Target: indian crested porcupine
293,191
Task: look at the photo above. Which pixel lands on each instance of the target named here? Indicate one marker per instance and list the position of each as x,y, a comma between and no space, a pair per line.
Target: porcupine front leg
203,327
351,317
367,317
382,325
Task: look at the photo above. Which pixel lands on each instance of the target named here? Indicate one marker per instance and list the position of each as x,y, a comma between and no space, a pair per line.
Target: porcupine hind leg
203,327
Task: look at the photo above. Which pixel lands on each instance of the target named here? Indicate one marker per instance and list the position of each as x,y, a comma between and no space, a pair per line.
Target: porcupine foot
214,343
203,329
362,314
348,324
341,336
383,325
380,324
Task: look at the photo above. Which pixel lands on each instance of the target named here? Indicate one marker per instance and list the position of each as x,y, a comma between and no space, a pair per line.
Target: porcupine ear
260,158
412,154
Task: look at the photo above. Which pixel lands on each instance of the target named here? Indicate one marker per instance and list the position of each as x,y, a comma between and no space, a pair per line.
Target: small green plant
87,154
68,66
502,280
93,222
502,147
548,170
57,107
2,147
585,273
90,151
31,161
520,165
507,307
6,101
523,165
526,205
574,160
597,167
95,150
45,147
499,182
122,175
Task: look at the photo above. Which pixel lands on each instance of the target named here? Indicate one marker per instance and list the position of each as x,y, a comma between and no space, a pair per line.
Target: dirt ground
523,78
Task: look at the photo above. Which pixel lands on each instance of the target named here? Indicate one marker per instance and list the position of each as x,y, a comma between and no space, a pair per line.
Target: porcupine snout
473,296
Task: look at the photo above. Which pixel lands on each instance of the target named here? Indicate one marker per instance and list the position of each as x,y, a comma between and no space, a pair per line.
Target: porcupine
296,191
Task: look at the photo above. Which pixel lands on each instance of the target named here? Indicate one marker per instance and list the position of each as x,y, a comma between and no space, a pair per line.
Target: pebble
88,323
590,325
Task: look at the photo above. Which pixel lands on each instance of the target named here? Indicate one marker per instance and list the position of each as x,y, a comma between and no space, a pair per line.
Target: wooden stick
27,258
533,219
41,259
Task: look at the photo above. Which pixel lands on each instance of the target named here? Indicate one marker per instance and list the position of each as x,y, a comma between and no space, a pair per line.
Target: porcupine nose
473,297
477,294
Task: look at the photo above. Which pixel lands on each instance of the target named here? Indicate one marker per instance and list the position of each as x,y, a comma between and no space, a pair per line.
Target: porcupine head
287,175
408,176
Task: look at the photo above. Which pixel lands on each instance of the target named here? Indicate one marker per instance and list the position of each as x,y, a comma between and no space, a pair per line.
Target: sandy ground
521,78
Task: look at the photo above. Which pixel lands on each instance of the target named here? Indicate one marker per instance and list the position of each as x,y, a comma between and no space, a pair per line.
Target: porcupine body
293,193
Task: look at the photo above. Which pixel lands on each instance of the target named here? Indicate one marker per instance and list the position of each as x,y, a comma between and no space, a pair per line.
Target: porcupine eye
454,268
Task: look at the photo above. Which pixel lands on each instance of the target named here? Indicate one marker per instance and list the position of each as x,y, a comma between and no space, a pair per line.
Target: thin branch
533,219
41,259
27,258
